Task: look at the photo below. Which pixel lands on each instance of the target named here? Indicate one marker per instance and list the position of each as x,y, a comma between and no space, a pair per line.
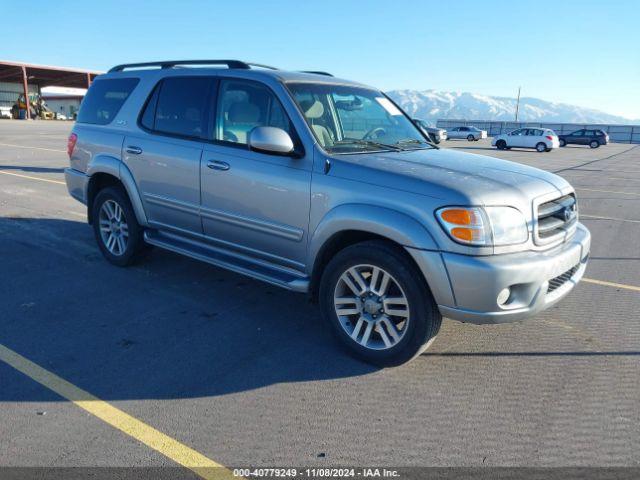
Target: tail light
71,144
549,137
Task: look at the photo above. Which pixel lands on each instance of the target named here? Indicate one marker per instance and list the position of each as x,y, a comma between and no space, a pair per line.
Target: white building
65,101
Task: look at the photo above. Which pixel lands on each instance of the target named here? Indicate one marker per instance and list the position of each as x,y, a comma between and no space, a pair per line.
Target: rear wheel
594,144
377,304
541,147
470,137
116,228
563,142
501,144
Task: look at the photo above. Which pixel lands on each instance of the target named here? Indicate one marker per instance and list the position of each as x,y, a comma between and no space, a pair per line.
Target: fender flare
385,222
114,167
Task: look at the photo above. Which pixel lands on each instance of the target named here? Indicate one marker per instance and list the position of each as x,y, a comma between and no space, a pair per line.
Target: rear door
164,157
254,203
534,136
578,137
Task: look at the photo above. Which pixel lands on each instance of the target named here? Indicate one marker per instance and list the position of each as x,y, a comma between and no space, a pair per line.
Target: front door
164,157
254,203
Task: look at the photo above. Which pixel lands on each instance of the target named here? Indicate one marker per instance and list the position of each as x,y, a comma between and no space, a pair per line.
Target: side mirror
271,140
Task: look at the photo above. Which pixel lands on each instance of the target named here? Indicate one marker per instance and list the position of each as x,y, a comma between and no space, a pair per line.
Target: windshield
347,119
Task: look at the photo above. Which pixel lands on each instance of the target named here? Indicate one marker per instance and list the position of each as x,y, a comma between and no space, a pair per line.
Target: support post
88,80
25,86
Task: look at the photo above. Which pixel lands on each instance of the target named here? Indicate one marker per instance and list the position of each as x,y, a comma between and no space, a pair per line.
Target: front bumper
476,281
76,184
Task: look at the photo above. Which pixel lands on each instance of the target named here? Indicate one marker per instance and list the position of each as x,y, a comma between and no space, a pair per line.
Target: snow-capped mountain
432,105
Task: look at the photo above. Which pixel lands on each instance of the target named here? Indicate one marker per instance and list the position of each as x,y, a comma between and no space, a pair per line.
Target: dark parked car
587,136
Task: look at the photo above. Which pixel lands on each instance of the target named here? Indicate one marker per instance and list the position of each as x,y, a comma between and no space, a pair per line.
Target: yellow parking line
607,191
32,148
583,215
32,178
169,447
611,284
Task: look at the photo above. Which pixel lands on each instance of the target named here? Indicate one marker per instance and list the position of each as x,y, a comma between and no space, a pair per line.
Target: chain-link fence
617,133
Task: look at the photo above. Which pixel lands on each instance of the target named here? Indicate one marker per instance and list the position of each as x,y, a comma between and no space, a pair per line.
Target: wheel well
97,182
336,243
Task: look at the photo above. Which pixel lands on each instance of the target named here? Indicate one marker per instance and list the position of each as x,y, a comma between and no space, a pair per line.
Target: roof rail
173,63
316,72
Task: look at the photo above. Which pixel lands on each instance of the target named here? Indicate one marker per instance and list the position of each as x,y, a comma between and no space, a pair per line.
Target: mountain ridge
432,105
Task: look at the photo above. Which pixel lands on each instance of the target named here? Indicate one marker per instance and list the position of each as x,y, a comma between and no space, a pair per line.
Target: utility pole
518,104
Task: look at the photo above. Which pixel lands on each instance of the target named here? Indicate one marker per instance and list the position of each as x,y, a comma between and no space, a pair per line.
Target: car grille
560,280
556,217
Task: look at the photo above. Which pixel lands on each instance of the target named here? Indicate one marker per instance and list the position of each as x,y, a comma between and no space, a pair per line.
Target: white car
470,133
542,139
5,112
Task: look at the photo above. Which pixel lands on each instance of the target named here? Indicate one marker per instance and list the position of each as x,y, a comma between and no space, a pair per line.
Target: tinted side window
182,107
104,99
244,105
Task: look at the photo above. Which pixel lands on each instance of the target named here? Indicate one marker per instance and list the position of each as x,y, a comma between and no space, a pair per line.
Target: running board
274,275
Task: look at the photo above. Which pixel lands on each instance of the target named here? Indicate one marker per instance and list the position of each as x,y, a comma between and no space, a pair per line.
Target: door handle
218,165
133,150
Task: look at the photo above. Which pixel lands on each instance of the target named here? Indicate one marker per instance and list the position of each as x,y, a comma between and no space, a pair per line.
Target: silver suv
323,186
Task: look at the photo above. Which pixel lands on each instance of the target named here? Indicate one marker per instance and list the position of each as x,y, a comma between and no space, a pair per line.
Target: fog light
503,296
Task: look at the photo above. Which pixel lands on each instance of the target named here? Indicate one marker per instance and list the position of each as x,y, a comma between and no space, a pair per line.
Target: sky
585,52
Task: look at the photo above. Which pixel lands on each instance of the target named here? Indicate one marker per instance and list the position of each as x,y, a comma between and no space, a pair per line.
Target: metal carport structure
44,76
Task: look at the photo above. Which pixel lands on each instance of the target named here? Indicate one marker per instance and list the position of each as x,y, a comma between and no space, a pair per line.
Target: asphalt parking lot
243,373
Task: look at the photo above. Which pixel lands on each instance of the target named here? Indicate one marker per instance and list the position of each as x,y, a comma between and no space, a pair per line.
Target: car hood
454,177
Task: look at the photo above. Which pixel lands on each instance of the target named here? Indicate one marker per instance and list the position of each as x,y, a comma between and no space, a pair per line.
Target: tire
594,144
470,137
563,142
418,320
501,145
128,242
541,147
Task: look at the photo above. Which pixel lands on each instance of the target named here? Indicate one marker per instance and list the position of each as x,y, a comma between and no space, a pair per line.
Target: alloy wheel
114,230
371,307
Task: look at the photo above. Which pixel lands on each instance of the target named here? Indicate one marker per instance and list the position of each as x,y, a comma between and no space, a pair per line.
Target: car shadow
168,327
32,169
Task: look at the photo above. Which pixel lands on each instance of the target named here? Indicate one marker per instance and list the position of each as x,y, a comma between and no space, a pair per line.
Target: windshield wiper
408,141
371,143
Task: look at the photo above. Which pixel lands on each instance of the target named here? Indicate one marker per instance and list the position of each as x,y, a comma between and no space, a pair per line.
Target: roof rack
236,64
317,72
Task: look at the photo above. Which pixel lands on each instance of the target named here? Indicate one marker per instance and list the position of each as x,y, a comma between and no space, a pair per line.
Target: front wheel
471,138
501,145
563,142
541,147
116,228
594,144
377,304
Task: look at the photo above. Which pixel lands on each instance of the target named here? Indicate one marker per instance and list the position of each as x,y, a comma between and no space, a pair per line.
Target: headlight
484,226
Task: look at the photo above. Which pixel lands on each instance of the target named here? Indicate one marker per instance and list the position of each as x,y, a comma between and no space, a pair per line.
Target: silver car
472,134
323,186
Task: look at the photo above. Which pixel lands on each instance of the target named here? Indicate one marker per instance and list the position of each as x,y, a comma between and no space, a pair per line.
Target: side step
238,263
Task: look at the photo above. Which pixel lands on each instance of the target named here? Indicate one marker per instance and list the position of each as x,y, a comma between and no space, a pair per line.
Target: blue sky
582,52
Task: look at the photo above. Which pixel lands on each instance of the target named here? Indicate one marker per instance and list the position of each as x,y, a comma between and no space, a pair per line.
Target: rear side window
104,99
178,106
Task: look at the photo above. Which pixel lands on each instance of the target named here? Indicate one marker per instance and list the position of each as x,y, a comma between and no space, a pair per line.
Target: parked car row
541,139
545,139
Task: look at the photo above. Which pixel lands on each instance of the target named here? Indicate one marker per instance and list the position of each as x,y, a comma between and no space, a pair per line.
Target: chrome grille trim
555,219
